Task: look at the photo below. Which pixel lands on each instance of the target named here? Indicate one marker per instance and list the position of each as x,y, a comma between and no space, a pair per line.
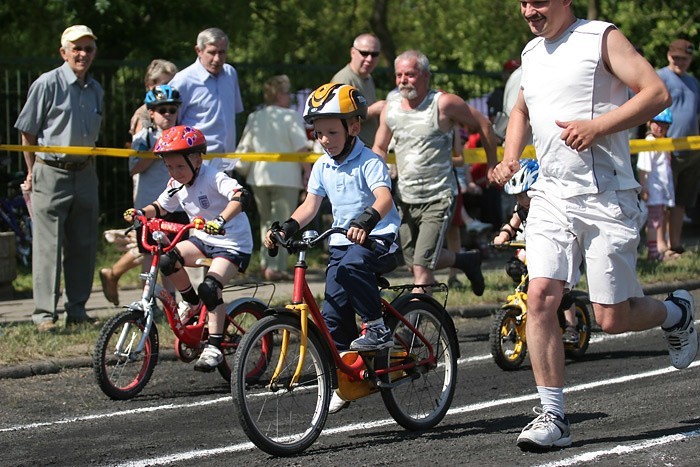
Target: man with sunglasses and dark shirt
63,108
364,56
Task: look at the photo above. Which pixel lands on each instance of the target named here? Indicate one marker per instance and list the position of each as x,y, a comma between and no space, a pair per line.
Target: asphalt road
626,404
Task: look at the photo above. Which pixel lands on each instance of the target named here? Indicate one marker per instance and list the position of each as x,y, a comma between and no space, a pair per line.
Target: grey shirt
368,91
60,111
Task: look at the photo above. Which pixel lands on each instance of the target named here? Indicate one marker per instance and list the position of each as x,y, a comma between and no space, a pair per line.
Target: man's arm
383,136
29,156
651,95
517,135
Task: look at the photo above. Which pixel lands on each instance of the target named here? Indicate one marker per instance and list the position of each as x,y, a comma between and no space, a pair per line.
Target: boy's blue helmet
162,94
523,178
664,117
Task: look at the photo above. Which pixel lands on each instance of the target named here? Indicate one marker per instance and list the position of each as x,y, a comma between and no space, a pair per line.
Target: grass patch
20,342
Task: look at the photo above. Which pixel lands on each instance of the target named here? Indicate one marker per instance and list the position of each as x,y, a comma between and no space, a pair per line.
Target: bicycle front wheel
281,416
507,338
420,397
121,372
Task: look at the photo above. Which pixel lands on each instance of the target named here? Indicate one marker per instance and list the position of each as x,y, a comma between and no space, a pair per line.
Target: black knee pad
171,263
208,292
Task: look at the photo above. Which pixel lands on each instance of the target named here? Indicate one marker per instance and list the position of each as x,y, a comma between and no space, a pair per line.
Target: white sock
674,314
552,400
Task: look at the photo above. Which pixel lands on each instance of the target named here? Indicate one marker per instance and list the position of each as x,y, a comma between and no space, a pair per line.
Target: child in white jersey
656,178
202,192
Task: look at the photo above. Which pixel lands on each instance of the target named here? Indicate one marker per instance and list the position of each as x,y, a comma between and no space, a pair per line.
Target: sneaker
211,358
470,263
337,403
373,338
683,338
570,336
545,432
187,311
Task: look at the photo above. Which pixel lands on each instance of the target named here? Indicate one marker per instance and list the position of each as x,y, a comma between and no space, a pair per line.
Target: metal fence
124,91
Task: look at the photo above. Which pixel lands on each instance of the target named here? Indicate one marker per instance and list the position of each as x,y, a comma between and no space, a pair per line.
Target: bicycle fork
303,310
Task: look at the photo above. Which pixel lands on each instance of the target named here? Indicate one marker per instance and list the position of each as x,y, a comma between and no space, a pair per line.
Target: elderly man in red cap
63,108
685,109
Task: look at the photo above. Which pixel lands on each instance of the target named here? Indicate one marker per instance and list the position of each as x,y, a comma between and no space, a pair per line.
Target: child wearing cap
656,178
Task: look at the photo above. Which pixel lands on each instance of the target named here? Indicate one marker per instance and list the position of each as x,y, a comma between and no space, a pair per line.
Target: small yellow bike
507,336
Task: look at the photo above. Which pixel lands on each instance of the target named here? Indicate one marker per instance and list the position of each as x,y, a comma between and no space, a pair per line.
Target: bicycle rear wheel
121,372
422,395
238,321
280,417
508,347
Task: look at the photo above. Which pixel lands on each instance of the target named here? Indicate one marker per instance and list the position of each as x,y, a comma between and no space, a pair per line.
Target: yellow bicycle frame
303,309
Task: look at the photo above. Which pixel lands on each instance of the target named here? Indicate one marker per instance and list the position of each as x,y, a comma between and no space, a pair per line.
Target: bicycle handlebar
159,225
294,246
508,244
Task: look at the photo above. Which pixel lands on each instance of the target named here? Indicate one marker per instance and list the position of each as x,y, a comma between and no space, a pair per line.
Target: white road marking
623,449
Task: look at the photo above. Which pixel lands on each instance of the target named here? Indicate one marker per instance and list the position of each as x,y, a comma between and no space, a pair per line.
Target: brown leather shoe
109,286
46,326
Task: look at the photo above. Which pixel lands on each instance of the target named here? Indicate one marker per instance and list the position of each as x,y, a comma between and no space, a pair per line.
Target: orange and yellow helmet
334,100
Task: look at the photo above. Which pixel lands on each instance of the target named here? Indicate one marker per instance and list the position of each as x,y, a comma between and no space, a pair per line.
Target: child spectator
357,184
202,192
150,177
656,178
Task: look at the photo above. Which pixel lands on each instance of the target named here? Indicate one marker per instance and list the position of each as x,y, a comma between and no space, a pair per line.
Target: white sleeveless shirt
566,79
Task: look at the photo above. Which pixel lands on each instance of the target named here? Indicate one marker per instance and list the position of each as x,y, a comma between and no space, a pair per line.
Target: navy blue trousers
351,287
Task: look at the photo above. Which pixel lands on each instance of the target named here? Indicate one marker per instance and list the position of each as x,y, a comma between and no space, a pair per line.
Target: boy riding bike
519,185
202,192
357,184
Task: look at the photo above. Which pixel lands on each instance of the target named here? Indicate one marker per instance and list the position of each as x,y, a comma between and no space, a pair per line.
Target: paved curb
46,367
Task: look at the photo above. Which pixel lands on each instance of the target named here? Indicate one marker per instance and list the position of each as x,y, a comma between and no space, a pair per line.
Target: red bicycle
126,352
287,364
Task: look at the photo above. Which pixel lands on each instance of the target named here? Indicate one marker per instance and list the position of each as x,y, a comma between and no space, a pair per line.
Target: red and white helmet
181,139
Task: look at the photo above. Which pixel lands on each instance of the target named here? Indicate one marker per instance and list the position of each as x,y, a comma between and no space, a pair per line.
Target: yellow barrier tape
471,156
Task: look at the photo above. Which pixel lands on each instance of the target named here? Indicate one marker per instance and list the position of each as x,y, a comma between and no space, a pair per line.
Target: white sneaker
187,311
211,358
337,403
682,339
545,432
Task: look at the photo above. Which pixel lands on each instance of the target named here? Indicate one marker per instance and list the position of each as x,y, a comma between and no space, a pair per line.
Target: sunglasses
166,110
365,53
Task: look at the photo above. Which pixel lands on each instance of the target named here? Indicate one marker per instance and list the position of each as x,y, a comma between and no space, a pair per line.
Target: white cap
75,32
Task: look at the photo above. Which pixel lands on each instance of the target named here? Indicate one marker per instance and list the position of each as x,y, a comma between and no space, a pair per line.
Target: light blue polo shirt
349,187
210,103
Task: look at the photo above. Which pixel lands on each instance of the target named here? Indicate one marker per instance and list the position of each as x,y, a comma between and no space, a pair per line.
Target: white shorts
601,230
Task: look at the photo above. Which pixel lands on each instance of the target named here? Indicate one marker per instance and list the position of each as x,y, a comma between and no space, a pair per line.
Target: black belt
71,166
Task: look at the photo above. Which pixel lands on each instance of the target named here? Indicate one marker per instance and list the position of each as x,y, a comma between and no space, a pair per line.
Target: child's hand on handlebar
215,227
357,235
131,213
